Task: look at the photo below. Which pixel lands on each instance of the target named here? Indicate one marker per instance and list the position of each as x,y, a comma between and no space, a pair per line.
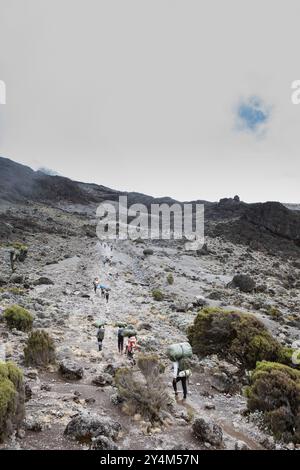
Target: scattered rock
241,445
148,252
43,281
70,370
206,430
103,379
243,282
88,427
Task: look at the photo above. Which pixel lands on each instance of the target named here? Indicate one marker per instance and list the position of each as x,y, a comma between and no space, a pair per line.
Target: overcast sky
182,98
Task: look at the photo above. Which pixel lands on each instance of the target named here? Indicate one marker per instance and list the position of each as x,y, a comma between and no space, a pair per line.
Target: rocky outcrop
276,218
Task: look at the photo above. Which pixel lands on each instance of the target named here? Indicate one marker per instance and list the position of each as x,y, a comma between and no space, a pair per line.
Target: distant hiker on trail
131,348
120,339
96,283
102,291
106,260
107,296
100,336
181,372
13,259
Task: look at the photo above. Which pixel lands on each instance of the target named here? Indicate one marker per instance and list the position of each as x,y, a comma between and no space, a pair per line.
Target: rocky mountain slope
54,283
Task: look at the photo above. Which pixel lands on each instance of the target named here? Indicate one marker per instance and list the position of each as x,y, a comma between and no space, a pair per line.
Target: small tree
144,389
39,349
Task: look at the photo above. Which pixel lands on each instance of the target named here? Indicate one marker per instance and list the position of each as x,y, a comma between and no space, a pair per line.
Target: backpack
131,345
120,332
184,367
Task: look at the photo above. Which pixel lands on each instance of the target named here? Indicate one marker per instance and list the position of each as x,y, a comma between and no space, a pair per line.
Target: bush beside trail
235,336
39,349
18,317
275,390
12,398
143,390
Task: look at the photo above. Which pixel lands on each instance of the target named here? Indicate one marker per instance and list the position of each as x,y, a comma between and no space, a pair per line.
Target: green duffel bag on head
99,323
177,351
129,332
120,325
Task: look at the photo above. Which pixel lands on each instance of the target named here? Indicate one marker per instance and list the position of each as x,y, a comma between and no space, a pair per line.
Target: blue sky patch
252,114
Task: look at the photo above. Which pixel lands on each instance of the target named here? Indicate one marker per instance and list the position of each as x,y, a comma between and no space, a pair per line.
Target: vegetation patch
157,295
144,389
235,335
13,290
18,317
170,279
275,390
39,350
12,398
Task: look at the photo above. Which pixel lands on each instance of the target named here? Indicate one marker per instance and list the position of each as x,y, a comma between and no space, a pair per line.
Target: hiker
14,255
131,348
96,284
102,291
181,372
107,296
100,336
120,339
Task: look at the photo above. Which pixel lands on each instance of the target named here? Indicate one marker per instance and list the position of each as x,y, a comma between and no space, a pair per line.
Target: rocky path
131,279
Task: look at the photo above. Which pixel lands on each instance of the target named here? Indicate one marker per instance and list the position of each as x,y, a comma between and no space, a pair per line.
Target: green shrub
144,390
13,290
275,390
170,279
19,246
17,317
39,349
274,312
157,295
12,398
234,335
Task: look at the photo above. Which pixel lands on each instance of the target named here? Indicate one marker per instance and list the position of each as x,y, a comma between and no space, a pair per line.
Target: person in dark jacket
120,339
96,283
100,336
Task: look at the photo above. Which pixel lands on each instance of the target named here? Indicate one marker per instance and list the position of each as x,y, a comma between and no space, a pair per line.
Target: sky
183,98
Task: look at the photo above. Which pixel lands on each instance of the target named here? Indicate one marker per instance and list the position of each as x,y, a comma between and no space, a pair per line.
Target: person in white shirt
178,378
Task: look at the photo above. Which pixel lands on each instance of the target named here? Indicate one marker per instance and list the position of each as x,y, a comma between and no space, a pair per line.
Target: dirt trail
130,301
120,301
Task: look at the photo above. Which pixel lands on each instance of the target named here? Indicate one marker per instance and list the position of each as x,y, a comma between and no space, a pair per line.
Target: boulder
206,430
3,281
203,250
17,279
148,251
199,301
103,443
243,282
70,370
103,379
221,382
241,445
90,427
43,281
